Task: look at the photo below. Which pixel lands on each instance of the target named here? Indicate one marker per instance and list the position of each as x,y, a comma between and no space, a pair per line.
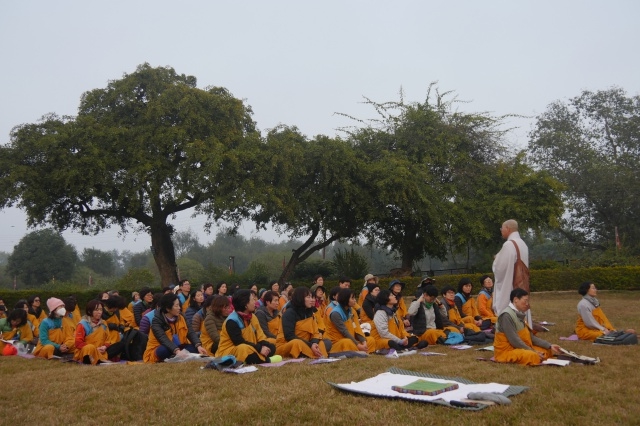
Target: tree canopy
139,151
42,256
591,143
442,182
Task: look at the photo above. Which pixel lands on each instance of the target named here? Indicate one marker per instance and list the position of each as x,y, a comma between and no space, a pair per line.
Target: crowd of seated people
258,325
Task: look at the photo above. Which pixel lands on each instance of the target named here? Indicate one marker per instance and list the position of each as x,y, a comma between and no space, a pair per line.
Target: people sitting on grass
269,315
396,287
592,322
15,326
169,332
184,294
369,303
514,340
54,340
196,299
425,317
485,299
389,331
70,306
91,336
36,310
448,301
467,307
368,279
299,334
343,325
147,315
319,292
241,334
216,313
285,294
142,305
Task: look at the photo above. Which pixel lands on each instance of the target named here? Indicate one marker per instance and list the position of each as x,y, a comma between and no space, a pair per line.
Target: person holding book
514,340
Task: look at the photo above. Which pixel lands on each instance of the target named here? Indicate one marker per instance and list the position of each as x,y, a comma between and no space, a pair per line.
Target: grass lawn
50,392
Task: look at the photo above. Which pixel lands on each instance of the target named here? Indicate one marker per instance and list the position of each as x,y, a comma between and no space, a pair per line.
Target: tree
42,256
438,172
99,261
591,144
314,189
184,242
139,151
350,263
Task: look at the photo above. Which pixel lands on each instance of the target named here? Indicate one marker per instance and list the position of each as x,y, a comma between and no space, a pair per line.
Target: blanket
381,386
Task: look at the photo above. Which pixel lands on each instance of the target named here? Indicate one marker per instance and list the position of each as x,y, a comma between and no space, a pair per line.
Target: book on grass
426,387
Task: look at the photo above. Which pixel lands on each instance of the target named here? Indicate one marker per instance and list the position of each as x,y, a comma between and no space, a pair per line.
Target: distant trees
591,143
42,256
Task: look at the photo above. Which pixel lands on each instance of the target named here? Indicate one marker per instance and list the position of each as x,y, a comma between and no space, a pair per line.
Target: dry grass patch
50,392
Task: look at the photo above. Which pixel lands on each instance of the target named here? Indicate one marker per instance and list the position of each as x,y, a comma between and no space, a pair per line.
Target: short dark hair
70,303
271,283
431,290
344,279
462,283
299,294
91,306
18,314
482,278
20,304
166,302
334,292
32,298
446,289
383,297
343,296
269,295
315,278
584,287
143,292
206,286
218,304
115,302
220,285
241,299
518,292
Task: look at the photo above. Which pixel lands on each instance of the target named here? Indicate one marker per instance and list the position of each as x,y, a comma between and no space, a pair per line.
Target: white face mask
61,312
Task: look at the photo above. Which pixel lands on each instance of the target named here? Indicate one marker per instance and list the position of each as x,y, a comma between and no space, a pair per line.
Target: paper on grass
432,353
241,370
555,361
324,360
486,348
381,385
461,347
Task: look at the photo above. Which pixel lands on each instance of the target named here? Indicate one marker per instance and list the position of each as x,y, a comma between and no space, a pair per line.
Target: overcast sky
298,63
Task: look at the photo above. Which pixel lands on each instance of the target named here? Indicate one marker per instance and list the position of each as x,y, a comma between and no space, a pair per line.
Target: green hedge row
616,278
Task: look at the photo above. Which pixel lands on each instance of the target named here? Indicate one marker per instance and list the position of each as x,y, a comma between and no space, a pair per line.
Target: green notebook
425,387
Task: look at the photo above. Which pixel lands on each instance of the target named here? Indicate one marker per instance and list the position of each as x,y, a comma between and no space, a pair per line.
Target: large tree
440,173
315,189
139,151
42,256
591,143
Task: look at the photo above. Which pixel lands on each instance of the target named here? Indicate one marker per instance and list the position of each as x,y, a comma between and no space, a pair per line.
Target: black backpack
617,338
135,344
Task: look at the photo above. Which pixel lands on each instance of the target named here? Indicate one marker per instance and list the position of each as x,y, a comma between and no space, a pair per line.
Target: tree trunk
303,252
163,253
408,259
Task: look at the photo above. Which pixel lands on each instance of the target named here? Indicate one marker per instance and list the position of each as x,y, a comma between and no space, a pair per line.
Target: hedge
613,278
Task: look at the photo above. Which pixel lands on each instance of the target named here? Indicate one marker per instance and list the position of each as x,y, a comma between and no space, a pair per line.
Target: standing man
503,266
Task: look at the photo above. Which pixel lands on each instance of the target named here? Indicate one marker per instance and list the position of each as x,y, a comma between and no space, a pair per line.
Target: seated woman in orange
343,326
54,337
467,307
216,312
169,332
269,316
241,334
485,299
592,322
16,327
91,336
515,342
448,301
285,295
389,331
36,310
369,303
299,333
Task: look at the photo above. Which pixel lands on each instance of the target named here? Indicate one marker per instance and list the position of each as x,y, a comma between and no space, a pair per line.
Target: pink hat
53,304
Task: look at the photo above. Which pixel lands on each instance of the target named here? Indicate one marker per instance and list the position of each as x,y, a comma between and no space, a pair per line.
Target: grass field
50,392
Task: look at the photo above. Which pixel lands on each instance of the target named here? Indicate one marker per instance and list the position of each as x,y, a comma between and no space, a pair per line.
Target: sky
298,63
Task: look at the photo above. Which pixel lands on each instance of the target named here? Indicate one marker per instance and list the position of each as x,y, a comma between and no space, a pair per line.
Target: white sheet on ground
381,385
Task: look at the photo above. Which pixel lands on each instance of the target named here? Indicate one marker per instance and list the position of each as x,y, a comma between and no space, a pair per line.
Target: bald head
508,227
